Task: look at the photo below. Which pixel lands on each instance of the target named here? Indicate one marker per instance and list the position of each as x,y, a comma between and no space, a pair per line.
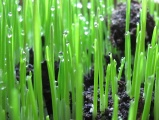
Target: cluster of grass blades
73,32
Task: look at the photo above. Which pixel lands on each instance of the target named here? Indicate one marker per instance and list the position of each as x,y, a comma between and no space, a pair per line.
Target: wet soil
124,99
118,26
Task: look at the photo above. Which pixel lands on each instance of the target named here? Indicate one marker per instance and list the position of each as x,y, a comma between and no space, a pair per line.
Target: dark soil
118,26
124,99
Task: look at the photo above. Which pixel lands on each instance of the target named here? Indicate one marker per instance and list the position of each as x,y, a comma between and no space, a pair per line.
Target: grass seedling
15,105
31,105
95,80
128,7
128,61
37,60
115,109
73,32
50,65
120,69
156,97
143,24
138,84
150,65
147,105
100,57
108,73
22,77
113,77
136,59
79,96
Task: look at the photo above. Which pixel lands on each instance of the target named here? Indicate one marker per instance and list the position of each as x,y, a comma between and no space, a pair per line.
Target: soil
124,99
118,26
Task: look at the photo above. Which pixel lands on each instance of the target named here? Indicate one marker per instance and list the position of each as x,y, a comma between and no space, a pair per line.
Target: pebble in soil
118,26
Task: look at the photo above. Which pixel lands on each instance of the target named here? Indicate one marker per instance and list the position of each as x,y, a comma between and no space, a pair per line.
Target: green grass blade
128,6
115,110
120,69
143,24
145,114
128,61
114,85
95,81
138,84
156,96
22,77
37,59
15,105
50,65
79,94
108,73
32,106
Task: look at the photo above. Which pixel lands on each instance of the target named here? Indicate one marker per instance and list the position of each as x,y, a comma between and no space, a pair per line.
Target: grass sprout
77,35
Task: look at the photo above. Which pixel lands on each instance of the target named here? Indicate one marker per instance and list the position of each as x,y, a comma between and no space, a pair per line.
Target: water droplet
101,17
20,18
156,1
122,58
127,33
92,14
67,43
58,2
60,55
81,17
10,32
22,33
9,35
79,5
95,24
19,8
62,60
89,5
86,32
74,70
65,33
2,88
16,2
23,52
109,53
52,8
0,15
150,46
85,28
52,15
4,3
103,6
10,14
